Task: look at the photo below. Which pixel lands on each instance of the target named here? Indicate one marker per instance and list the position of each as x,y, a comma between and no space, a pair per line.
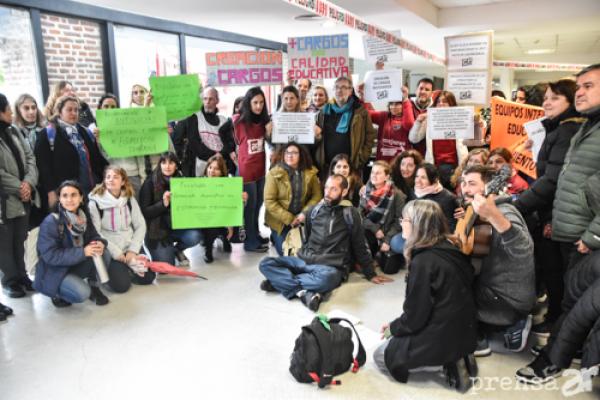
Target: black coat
540,195
447,202
157,216
438,324
579,326
62,163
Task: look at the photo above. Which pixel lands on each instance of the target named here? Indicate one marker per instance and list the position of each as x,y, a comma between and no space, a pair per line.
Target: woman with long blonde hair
438,325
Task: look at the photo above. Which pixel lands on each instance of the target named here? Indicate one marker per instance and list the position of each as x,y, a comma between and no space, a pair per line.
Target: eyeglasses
292,153
343,87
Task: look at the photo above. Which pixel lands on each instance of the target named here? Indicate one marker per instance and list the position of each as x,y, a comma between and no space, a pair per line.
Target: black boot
471,364
226,245
457,376
6,310
208,254
99,297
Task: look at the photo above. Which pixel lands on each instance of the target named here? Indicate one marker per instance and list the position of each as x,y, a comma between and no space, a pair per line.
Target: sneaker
27,284
542,329
14,291
60,303
515,337
183,261
259,249
267,286
539,371
99,297
483,347
312,300
536,350
264,240
6,310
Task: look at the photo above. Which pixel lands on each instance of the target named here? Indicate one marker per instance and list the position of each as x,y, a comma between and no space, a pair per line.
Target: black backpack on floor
325,349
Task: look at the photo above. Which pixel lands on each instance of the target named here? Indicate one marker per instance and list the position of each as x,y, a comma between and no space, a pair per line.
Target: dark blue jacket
57,253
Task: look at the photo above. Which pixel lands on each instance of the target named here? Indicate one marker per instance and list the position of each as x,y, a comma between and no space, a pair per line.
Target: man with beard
334,240
505,286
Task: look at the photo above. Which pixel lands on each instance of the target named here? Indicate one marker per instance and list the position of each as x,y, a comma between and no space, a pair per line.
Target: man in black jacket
199,137
331,245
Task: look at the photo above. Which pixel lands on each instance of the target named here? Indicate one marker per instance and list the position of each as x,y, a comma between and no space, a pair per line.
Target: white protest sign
383,85
450,123
469,87
296,127
466,52
537,133
377,50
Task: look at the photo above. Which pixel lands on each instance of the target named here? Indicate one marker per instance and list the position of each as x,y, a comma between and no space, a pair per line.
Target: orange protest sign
507,119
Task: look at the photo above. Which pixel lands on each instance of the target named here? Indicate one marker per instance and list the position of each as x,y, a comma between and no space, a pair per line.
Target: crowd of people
358,210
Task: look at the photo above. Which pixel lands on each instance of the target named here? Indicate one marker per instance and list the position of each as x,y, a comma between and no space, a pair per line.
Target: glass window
18,65
196,49
142,53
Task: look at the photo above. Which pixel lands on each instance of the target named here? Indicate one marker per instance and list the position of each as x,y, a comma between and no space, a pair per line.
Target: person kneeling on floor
66,246
438,326
331,243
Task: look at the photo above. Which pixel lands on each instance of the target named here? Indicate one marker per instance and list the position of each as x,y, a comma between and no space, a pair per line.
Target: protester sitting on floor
404,169
340,164
500,157
291,187
117,217
505,286
164,242
67,243
429,187
438,325
381,206
334,238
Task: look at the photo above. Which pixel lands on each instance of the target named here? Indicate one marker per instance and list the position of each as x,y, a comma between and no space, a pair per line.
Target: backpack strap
361,355
51,134
61,226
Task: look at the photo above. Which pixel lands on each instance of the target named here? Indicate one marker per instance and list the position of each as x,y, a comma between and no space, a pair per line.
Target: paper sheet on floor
370,338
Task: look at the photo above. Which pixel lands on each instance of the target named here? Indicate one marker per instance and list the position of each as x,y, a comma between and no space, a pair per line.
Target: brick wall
73,52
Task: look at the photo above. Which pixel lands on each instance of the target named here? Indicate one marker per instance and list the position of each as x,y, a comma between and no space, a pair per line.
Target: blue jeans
279,238
397,244
185,239
255,192
74,289
289,275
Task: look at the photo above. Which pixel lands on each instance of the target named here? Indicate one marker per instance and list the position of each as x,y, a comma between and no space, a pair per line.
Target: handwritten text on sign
507,123
127,132
244,68
293,127
450,123
385,85
318,57
179,94
206,202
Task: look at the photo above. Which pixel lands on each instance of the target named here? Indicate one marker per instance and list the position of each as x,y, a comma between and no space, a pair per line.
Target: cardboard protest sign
450,123
378,50
318,57
244,68
469,87
206,202
179,94
293,127
537,133
507,119
128,132
383,85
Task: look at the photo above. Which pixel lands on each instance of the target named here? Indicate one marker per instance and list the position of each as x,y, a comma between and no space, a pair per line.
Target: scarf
431,189
296,183
346,111
376,203
86,179
211,118
5,135
76,225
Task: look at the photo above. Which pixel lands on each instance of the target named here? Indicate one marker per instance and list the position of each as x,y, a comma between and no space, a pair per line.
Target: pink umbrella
166,268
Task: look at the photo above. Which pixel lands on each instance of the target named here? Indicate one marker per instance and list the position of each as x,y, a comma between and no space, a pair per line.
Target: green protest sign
128,132
179,94
206,202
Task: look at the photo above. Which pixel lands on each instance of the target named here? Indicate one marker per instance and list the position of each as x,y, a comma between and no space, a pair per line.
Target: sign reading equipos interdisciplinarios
206,202
318,57
128,132
244,68
383,85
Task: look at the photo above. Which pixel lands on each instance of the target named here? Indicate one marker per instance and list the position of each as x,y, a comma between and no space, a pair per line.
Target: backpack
325,349
31,253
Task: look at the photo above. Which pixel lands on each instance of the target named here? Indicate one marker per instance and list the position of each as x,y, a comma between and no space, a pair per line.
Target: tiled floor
217,339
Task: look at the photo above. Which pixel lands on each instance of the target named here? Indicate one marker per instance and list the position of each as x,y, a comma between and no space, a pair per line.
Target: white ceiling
571,27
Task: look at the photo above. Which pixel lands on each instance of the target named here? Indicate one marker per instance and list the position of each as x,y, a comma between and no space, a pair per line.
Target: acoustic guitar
475,235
